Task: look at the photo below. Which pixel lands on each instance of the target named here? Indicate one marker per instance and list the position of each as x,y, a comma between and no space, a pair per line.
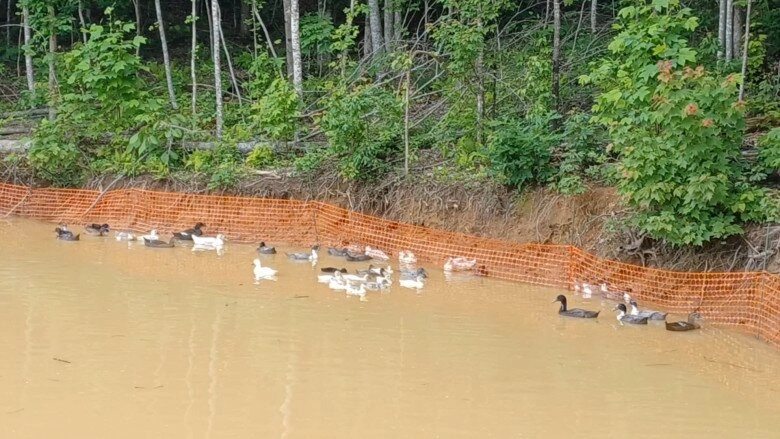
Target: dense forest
677,105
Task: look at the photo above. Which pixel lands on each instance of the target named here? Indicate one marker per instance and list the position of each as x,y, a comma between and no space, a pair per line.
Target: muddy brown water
101,338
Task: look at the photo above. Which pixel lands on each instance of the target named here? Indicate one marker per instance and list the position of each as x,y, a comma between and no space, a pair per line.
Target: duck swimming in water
416,283
263,272
158,243
626,318
125,236
459,264
186,235
65,235
412,274
574,312
652,315
97,229
266,250
151,236
407,257
692,323
357,257
305,256
341,252
209,241
377,254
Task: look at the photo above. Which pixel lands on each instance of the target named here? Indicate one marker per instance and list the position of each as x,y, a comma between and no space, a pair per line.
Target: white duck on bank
459,264
263,272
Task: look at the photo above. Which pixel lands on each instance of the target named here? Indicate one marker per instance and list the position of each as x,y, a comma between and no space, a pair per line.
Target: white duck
415,283
125,236
376,254
209,241
352,290
459,264
337,282
407,257
151,236
263,272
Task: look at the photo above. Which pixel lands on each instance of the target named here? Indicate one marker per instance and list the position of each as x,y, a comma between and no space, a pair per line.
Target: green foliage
54,155
260,157
579,154
276,112
677,129
316,33
520,152
363,127
769,151
312,160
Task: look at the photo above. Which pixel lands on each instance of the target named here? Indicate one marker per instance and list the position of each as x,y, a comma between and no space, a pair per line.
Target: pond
102,338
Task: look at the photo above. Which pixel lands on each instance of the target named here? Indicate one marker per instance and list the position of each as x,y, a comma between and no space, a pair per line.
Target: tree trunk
556,55
388,25
244,13
737,32
407,84
28,64
593,5
138,23
193,52
367,41
82,23
375,18
295,44
8,20
215,38
398,25
729,46
233,79
288,38
479,69
52,60
166,58
745,52
721,27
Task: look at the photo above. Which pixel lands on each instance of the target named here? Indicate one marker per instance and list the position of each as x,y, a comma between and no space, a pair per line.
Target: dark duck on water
574,312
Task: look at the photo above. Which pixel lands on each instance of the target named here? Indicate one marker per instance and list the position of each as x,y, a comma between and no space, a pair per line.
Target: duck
416,283
125,236
209,241
687,325
333,270
65,235
151,236
186,235
377,254
652,315
159,243
263,272
377,271
359,290
407,257
341,252
337,282
609,294
459,264
266,250
627,318
574,312
354,278
357,257
97,229
412,274
305,256
585,289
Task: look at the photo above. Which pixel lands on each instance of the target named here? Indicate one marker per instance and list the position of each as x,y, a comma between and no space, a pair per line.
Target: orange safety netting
750,301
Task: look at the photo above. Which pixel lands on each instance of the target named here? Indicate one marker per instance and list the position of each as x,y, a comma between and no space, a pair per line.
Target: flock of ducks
634,317
376,278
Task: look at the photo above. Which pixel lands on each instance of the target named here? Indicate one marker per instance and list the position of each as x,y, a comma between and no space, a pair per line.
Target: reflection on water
112,339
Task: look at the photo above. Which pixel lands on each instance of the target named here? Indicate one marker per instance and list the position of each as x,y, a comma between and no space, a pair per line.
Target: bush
520,152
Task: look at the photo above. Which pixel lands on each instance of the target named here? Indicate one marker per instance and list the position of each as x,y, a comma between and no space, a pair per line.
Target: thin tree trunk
138,23
295,44
745,52
398,25
737,32
215,37
52,71
267,35
288,38
28,64
367,45
166,58
233,78
193,56
211,27
375,19
721,27
729,30
82,23
407,84
244,12
556,55
593,6
479,68
388,25
8,20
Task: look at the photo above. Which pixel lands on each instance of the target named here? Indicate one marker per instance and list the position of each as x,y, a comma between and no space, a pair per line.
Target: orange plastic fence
750,301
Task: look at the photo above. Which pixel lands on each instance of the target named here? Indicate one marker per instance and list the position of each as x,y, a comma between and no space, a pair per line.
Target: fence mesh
747,300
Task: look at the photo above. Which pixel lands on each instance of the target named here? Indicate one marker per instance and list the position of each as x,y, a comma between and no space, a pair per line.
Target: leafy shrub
260,157
363,127
54,155
520,152
276,112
